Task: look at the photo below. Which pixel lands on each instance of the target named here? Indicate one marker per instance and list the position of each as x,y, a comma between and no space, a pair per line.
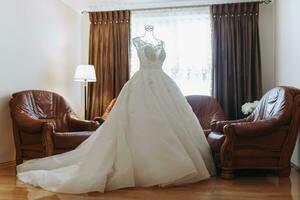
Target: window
187,36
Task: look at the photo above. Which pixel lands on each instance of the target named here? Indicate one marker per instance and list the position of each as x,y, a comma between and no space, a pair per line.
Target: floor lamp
85,73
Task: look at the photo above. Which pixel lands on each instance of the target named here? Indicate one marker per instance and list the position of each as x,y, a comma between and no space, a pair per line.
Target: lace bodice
151,56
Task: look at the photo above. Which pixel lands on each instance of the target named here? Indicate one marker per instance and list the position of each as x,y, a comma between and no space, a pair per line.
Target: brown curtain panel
109,53
236,56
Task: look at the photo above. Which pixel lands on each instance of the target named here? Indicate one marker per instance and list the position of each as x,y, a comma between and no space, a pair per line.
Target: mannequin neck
149,37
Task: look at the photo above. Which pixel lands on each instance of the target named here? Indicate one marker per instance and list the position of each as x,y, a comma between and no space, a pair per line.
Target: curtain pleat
236,56
108,52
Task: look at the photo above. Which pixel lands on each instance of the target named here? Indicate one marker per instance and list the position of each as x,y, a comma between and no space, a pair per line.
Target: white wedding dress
151,137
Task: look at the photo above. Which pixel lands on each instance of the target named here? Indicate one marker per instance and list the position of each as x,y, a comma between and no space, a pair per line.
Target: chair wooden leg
227,173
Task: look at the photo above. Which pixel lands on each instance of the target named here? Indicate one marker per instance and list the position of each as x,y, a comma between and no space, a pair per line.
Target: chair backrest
206,109
276,103
44,105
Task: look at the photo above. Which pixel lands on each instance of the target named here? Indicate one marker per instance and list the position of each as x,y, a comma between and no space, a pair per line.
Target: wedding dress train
151,137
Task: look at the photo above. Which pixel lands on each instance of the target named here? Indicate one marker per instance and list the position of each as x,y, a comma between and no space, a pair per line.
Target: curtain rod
266,2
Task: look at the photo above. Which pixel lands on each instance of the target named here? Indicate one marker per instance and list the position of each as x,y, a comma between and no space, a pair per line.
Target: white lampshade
85,73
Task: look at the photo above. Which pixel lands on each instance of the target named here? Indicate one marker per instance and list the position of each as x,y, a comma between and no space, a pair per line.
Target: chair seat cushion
70,140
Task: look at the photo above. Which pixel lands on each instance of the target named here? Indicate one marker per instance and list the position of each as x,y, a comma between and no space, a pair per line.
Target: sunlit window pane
187,36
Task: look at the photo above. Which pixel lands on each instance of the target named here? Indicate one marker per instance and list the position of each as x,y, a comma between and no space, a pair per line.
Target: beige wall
288,49
85,32
267,44
40,46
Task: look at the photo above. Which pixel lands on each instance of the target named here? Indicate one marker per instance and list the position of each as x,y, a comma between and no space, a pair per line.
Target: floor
243,187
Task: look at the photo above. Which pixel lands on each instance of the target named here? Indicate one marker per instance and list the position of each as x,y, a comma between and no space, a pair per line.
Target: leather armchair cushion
66,140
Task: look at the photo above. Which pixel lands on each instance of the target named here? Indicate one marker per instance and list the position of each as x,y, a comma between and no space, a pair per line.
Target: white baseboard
8,164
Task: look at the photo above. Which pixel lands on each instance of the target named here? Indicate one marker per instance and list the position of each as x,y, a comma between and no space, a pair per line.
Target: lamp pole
85,73
85,98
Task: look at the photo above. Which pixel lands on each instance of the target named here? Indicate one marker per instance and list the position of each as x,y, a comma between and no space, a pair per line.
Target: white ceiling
105,5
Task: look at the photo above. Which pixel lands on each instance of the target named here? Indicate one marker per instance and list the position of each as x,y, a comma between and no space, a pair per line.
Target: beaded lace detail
151,56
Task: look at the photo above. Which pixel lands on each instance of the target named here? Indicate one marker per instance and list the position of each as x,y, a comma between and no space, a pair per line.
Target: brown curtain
108,52
236,56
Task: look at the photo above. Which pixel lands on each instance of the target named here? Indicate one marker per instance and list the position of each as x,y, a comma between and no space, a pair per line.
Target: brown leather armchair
207,109
44,124
263,140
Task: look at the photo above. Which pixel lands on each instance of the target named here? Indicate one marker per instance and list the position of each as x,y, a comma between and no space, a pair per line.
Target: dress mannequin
149,36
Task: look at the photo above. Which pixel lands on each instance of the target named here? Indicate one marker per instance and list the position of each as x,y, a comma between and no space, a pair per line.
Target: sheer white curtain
187,36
